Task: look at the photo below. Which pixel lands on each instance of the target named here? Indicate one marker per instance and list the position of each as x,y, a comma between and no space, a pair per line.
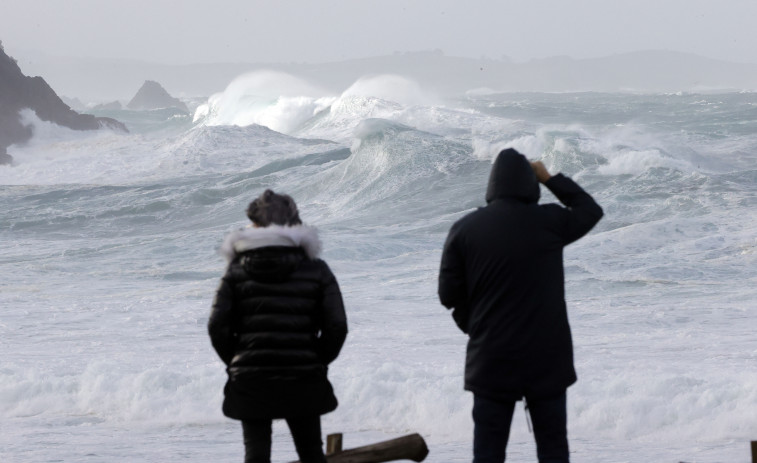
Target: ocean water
109,261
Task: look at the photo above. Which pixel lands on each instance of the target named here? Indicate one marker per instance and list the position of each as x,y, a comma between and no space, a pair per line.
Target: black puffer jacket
277,322
502,272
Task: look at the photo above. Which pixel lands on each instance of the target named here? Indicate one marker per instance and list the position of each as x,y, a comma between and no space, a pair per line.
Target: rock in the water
112,106
73,103
153,96
18,92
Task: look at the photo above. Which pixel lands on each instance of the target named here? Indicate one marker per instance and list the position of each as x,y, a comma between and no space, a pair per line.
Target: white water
109,264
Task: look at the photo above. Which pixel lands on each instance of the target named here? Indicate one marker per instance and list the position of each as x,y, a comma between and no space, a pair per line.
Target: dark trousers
306,432
492,421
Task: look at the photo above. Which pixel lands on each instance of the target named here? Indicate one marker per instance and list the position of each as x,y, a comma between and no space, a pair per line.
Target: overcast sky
199,31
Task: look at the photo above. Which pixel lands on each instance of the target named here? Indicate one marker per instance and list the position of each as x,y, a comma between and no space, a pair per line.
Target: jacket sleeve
581,213
220,329
333,321
452,290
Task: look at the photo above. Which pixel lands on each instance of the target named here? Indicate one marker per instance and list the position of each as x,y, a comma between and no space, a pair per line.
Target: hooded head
512,177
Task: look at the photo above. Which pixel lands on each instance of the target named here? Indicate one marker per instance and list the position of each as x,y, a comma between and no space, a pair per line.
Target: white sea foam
531,145
629,151
103,391
59,155
345,115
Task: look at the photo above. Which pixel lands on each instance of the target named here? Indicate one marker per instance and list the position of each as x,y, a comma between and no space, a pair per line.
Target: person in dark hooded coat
502,274
277,322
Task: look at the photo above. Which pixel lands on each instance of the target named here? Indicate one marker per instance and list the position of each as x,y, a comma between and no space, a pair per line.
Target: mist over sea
109,262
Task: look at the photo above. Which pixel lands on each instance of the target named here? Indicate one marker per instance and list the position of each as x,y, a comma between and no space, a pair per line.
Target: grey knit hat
273,208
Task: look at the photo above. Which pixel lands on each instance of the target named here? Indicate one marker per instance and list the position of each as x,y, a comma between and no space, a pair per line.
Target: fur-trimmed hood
250,237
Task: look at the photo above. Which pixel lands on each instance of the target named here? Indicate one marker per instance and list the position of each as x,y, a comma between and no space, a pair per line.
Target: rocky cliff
18,91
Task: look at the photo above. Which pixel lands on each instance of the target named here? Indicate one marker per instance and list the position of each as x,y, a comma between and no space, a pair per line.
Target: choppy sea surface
109,261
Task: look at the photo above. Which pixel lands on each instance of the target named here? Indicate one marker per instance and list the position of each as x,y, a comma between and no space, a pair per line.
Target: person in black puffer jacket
502,274
277,322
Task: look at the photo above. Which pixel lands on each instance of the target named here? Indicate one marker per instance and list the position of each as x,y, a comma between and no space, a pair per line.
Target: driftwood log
410,447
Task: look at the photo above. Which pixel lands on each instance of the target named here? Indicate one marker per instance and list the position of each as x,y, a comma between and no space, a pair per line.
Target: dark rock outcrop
18,92
153,96
112,106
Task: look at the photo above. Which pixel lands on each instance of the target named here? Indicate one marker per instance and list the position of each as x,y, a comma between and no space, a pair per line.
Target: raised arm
582,211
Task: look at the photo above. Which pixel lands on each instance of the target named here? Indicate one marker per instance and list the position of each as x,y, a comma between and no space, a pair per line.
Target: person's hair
273,208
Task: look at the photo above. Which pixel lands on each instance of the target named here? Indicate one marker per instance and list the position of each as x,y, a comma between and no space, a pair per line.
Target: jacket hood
512,177
250,238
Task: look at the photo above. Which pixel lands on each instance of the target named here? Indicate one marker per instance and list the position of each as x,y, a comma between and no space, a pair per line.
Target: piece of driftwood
410,447
333,443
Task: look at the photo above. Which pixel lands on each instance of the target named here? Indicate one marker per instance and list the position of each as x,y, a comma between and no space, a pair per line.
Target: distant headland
651,71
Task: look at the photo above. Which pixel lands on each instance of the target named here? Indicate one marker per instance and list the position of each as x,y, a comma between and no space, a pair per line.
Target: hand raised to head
541,172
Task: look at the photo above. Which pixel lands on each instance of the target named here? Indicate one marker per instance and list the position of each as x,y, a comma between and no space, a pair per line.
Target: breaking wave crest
289,105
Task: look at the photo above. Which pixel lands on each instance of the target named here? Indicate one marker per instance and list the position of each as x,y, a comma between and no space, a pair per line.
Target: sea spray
274,99
290,105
